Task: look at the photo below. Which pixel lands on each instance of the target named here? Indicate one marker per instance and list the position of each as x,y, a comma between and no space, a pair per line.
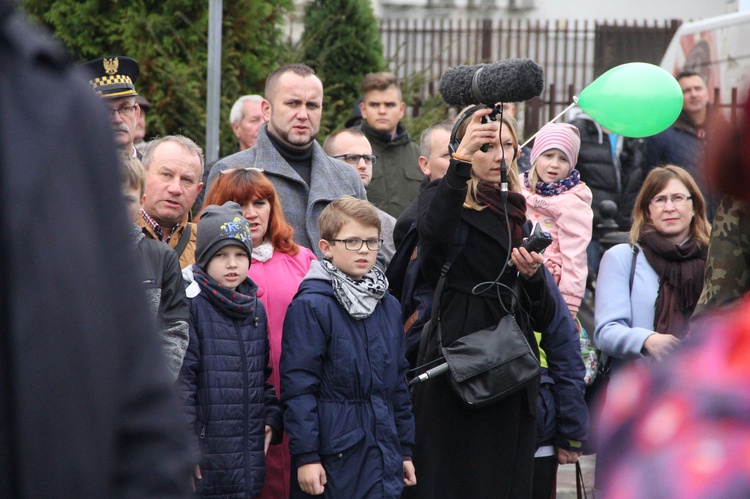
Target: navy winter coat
562,414
343,386
228,398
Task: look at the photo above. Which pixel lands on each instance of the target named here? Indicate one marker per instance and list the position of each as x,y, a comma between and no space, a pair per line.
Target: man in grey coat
305,178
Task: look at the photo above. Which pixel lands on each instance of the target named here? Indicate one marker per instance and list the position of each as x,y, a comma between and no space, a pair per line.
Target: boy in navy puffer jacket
343,368
225,374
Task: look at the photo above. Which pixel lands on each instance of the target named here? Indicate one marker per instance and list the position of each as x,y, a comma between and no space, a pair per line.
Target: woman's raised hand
478,134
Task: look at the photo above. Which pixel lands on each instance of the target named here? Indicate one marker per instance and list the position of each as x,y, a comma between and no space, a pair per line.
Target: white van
718,48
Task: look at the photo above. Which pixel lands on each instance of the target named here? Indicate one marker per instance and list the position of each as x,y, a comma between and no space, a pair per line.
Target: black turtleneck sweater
299,159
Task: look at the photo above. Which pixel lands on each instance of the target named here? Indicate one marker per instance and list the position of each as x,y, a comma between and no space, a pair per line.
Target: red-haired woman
277,267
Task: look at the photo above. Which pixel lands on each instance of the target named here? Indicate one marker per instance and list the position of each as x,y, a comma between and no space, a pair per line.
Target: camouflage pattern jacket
728,264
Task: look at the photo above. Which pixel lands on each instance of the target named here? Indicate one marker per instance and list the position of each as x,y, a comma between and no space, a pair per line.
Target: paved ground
566,478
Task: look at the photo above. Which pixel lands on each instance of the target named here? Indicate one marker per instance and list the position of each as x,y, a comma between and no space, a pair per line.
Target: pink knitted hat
561,136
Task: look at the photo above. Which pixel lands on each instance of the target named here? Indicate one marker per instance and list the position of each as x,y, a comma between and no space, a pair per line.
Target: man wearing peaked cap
113,79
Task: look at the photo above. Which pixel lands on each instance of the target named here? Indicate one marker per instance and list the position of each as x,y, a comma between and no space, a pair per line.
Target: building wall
594,10
599,10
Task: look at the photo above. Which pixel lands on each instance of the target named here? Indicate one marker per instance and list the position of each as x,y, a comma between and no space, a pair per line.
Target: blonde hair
131,172
514,182
341,210
655,182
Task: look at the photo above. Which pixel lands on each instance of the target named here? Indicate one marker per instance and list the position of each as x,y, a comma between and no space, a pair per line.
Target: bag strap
453,252
580,484
183,242
635,250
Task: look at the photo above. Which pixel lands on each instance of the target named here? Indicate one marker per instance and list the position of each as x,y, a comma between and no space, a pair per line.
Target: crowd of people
281,339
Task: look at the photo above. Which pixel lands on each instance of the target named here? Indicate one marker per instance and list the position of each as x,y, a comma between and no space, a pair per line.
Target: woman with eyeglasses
277,266
647,289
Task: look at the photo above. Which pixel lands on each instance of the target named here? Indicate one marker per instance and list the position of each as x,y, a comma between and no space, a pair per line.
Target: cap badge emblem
110,65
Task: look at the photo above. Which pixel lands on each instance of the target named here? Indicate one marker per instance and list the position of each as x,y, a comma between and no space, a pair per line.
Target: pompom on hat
562,136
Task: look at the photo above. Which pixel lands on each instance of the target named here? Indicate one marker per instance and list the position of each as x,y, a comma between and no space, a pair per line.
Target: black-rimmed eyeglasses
355,243
353,159
123,111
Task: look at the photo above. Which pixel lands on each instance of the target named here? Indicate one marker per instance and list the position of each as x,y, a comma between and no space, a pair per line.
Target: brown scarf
491,195
680,270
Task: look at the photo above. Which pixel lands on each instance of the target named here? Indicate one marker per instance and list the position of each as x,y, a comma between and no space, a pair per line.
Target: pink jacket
278,279
568,218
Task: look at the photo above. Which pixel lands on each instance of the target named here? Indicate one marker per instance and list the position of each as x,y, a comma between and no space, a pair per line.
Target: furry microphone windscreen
511,80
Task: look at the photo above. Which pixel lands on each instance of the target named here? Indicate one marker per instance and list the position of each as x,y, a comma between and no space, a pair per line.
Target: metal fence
572,53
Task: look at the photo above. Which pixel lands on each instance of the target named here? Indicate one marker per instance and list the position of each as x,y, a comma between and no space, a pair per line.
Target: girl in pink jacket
558,200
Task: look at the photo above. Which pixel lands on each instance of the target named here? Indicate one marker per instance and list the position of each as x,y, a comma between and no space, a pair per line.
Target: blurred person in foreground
87,407
682,426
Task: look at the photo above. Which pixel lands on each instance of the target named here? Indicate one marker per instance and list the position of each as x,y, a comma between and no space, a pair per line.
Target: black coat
618,181
460,451
87,407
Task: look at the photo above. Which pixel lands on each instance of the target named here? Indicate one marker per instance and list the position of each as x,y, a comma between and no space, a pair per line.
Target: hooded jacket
568,218
343,387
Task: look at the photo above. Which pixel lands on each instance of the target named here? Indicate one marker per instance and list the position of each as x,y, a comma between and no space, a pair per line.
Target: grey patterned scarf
358,296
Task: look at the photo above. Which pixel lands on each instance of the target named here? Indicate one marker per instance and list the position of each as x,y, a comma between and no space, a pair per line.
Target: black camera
537,241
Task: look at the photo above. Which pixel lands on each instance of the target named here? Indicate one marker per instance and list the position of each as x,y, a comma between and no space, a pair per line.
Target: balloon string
575,102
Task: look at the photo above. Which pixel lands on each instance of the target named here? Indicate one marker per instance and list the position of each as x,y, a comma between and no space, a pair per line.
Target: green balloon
634,100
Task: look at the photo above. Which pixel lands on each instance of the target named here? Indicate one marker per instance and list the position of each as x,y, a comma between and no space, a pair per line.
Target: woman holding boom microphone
463,451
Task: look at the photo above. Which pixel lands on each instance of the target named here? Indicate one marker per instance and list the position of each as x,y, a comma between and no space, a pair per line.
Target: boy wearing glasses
343,371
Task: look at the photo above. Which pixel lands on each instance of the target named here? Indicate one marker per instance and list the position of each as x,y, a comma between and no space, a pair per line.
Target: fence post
532,110
486,40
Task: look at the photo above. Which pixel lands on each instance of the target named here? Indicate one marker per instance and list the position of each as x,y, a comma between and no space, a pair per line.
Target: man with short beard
304,176
113,79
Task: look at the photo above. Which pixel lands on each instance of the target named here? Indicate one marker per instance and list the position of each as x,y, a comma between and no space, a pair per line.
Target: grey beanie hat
221,226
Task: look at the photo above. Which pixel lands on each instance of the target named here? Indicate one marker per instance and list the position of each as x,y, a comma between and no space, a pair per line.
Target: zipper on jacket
203,432
246,397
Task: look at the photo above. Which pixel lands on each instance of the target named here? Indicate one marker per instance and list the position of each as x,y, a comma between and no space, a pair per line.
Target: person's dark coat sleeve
174,313
436,232
560,341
